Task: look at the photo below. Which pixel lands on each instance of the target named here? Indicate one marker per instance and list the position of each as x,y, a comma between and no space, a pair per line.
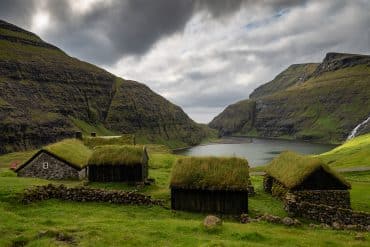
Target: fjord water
257,151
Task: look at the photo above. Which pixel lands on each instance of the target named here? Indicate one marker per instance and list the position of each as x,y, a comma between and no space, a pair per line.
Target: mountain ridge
325,107
44,93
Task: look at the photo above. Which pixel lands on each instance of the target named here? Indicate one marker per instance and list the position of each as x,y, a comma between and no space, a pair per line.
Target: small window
45,165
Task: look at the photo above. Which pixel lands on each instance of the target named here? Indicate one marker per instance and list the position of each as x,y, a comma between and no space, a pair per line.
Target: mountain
295,74
317,102
46,95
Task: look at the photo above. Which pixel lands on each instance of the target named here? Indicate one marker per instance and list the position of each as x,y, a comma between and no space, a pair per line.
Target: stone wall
56,169
267,183
86,194
325,214
334,198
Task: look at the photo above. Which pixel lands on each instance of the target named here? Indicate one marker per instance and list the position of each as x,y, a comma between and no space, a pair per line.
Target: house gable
320,179
47,166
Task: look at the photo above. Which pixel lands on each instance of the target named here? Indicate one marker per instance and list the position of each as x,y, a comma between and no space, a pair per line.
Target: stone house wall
325,214
334,198
56,169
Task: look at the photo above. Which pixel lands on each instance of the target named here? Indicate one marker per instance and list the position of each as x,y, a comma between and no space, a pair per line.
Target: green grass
210,173
20,157
104,224
360,196
88,128
23,35
117,155
71,150
353,153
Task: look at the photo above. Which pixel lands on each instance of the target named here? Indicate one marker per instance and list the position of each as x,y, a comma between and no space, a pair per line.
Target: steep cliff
325,106
46,95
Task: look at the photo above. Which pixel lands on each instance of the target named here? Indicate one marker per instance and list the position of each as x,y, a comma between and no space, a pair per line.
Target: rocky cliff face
325,107
44,92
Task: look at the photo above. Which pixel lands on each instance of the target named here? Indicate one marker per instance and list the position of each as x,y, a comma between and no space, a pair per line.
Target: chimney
78,135
93,134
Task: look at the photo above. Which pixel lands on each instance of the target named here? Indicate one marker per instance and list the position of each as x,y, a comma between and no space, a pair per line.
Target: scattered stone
313,225
271,218
212,221
325,226
297,222
288,221
368,228
337,226
352,227
360,236
244,218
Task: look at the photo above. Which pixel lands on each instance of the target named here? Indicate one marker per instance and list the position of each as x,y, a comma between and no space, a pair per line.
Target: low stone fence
334,198
86,194
325,214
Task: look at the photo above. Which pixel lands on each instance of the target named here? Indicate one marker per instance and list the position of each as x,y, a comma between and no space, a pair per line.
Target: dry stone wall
334,198
325,214
86,194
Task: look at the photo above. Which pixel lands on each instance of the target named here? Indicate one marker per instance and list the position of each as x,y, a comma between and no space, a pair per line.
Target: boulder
288,221
244,218
337,226
212,221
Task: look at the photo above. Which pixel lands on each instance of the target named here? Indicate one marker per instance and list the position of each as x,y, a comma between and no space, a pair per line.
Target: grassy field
353,153
59,223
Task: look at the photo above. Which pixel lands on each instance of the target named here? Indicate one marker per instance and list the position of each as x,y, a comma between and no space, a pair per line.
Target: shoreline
247,139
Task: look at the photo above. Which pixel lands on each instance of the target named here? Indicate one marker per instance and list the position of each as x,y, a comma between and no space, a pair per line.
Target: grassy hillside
46,95
293,75
236,118
323,108
353,153
104,224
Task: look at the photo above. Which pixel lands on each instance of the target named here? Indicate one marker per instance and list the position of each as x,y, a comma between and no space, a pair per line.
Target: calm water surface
257,151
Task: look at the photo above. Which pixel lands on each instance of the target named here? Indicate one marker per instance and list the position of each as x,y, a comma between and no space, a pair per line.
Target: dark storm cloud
200,54
109,31
17,11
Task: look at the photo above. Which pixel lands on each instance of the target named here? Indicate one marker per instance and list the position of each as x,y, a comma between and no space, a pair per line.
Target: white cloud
212,64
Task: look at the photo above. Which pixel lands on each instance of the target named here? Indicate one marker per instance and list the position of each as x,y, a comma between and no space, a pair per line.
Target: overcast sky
201,55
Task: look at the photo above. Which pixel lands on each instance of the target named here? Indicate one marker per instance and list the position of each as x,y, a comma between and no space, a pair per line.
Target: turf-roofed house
118,163
62,160
308,178
210,184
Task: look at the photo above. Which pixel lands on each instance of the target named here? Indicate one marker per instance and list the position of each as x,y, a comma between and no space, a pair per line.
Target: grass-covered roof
71,151
92,142
292,169
117,155
211,173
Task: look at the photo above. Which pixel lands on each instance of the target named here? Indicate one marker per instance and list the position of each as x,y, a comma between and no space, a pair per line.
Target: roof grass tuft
71,150
211,173
291,169
117,155
92,142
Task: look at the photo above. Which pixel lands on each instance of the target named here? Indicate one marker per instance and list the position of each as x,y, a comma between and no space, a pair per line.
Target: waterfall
354,131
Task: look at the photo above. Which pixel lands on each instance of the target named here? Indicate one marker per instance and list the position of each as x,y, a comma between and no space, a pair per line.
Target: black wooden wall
210,201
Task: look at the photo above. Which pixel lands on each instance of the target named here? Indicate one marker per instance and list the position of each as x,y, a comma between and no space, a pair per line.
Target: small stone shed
62,160
210,184
115,163
308,178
